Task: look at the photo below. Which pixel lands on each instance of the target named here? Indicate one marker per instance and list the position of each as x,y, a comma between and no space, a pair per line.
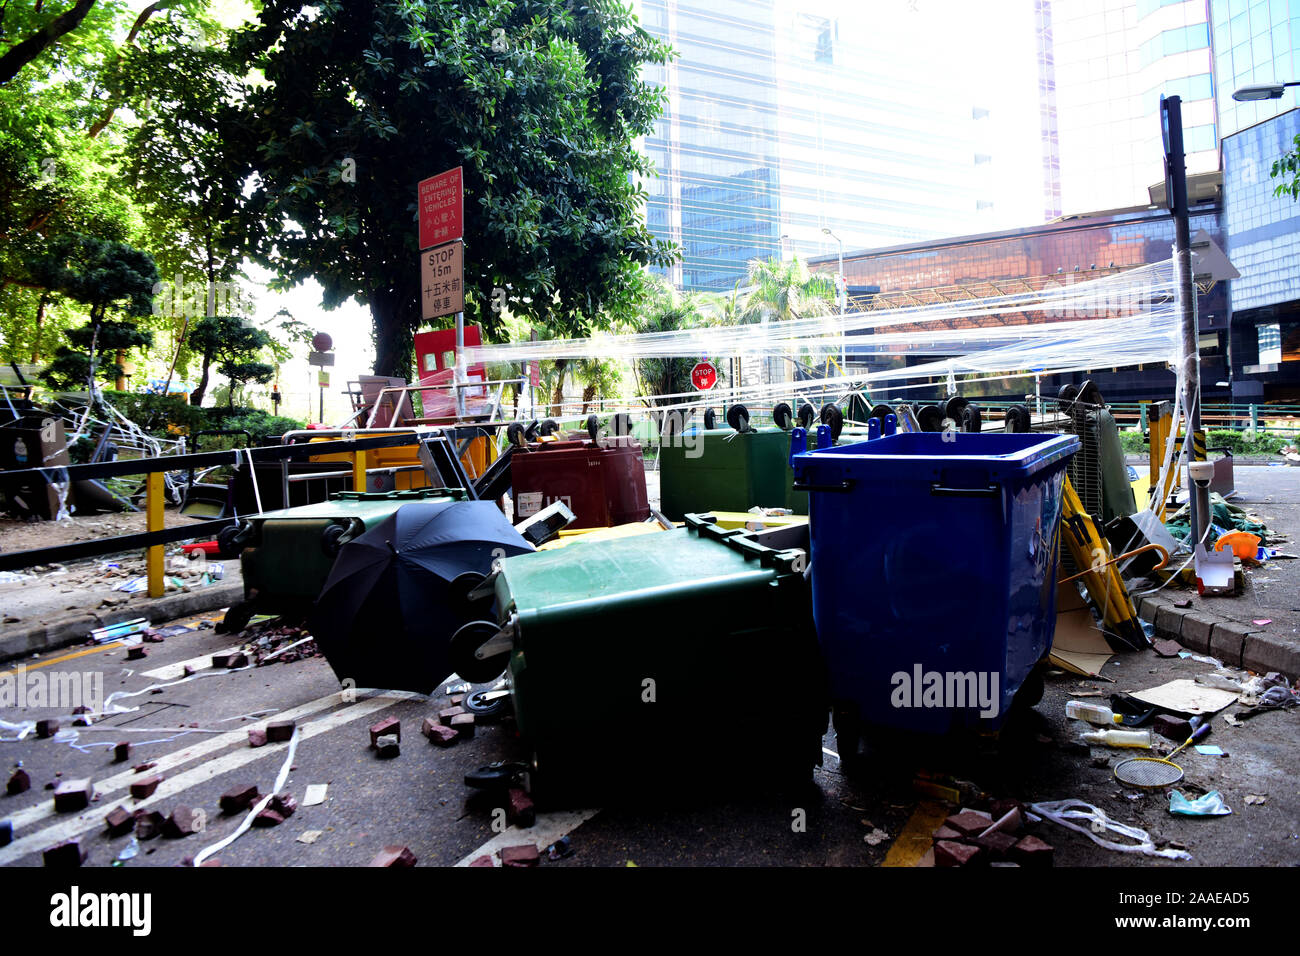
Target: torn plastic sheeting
1063,812
1210,805
261,805
22,729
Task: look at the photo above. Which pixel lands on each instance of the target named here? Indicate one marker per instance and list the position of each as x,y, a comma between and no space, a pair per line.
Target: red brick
122,752
945,833
1171,727
998,844
437,733
142,767
520,855
519,808
20,782
67,853
948,853
463,724
136,652
445,716
145,788
455,700
47,727
119,822
268,818
181,823
148,824
999,808
72,795
1031,851
256,737
239,799
230,659
483,860
395,856
280,731
969,822
389,726
283,804
1009,823
210,862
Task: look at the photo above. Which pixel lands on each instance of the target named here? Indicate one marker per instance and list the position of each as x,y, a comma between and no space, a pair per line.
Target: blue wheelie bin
933,570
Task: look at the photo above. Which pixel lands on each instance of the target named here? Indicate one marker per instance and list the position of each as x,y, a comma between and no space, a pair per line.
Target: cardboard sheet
1078,645
1187,697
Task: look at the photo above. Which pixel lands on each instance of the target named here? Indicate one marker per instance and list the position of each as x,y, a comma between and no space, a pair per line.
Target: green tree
786,290
1288,170
539,101
668,310
235,346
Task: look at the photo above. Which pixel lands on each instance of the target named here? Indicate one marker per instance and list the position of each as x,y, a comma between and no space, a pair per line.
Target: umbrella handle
1164,559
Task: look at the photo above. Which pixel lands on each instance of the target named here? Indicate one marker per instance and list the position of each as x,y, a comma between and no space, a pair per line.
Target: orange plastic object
1243,544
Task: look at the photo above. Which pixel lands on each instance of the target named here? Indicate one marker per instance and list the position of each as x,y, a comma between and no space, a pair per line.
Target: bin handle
846,485
989,492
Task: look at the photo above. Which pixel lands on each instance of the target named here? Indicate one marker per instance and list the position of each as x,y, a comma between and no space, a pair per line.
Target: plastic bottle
1098,714
1139,739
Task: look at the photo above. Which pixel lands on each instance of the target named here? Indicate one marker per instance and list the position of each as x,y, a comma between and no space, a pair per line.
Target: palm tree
668,310
786,290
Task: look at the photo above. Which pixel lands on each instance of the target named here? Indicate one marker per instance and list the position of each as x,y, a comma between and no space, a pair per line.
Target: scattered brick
519,808
150,636
1010,822
455,700
239,799
142,767
969,822
268,818
230,659
396,856
946,833
463,724
526,855
388,746
1171,727
437,733
210,862
72,795
119,822
283,804
181,823
948,853
483,860
445,716
385,727
67,853
47,727
20,782
122,752
256,737
1031,851
189,672
998,844
148,824
136,652
280,731
145,788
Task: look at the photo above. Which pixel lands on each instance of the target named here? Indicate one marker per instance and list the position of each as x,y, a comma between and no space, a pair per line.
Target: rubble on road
395,856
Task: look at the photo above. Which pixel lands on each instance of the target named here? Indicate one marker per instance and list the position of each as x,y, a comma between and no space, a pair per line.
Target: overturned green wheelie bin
651,665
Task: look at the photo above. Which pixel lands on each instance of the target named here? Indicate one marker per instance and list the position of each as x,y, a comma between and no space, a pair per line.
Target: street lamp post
841,288
1262,91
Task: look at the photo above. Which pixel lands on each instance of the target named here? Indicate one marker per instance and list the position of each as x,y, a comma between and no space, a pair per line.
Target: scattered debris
561,849
388,746
395,856
463,725
72,796
483,861
1066,812
47,727
20,782
142,767
119,822
65,854
279,731
519,808
315,794
1256,799
526,855
384,728
877,837
239,799
310,836
148,824
1031,851
268,818
256,737
140,789
438,733
136,653
1210,805
182,823
121,752
230,660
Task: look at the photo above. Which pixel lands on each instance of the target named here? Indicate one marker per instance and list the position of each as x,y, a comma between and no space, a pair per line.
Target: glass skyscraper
1254,42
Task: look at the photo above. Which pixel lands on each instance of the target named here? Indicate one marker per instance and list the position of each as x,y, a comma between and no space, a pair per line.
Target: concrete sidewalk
1226,627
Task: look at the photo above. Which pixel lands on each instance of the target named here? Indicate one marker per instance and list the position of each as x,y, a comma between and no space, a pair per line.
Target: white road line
173,671
94,819
548,828
202,748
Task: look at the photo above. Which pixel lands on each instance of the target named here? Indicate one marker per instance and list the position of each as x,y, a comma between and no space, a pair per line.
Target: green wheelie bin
624,653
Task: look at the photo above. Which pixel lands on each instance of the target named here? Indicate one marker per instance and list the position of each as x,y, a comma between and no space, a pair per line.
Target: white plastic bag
1065,811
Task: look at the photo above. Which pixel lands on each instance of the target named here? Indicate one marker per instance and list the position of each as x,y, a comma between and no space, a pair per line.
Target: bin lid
908,454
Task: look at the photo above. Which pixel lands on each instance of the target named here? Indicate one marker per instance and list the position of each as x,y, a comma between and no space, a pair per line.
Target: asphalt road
419,800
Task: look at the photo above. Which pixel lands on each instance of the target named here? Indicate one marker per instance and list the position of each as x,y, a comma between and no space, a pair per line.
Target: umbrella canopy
392,600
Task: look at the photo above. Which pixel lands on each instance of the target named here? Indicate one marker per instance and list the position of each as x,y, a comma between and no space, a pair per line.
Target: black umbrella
399,591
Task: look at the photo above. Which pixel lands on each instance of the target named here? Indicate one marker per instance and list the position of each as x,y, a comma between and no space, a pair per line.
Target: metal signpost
321,357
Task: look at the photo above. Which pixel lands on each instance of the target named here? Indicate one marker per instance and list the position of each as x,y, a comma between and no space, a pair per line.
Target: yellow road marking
914,841
67,657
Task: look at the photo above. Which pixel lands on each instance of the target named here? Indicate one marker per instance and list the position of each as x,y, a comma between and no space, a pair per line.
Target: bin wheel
465,642
460,587
486,710
930,418
593,427
710,419
1066,396
971,418
782,417
954,408
548,427
807,415
738,418
1017,419
1031,691
621,425
832,415
1089,394
227,541
515,434
880,411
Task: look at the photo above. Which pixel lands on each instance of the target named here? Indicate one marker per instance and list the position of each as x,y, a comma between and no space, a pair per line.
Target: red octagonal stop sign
704,376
